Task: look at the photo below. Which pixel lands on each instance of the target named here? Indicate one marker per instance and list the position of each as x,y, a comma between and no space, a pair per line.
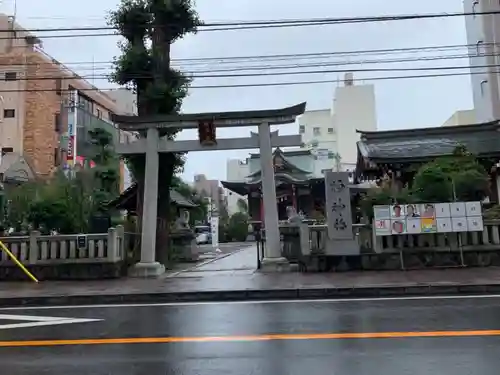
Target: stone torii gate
207,124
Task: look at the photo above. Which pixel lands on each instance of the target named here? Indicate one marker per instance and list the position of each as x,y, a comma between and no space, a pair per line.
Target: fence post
113,245
33,247
305,242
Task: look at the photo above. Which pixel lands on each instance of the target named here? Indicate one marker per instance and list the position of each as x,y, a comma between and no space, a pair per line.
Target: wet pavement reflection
297,347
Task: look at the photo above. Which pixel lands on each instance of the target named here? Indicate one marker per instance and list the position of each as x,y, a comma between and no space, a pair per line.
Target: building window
57,159
57,122
58,86
302,129
9,113
10,76
330,130
480,48
99,113
316,131
7,150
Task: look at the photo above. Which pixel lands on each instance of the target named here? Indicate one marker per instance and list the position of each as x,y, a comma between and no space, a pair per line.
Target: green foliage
62,204
66,203
458,177
492,213
237,228
242,205
106,170
149,28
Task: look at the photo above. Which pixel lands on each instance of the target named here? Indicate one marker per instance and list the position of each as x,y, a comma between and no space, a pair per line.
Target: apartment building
210,189
46,109
330,133
483,39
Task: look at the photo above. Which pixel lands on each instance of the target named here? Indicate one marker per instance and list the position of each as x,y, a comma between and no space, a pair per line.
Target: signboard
338,205
81,241
206,133
71,148
428,218
214,231
72,124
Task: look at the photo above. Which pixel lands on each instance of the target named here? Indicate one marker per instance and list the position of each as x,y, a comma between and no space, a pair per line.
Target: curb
256,295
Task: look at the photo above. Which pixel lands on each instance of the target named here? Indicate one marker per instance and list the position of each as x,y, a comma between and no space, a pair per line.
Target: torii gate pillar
273,261
148,266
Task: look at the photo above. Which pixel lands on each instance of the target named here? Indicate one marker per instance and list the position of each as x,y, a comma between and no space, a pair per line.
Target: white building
483,38
331,133
462,117
236,170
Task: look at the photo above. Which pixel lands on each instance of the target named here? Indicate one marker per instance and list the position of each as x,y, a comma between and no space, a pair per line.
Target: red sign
206,133
71,148
81,160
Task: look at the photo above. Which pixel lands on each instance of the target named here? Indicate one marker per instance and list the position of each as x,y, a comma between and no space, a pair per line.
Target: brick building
46,109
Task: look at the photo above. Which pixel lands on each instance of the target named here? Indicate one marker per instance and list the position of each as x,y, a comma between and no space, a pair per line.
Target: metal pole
459,235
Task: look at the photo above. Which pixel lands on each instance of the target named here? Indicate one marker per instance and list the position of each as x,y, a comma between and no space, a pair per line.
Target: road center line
248,338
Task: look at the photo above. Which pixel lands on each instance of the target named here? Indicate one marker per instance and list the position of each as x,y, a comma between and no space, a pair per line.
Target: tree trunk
164,217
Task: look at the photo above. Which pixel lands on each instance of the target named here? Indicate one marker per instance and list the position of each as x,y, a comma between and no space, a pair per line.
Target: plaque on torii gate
207,125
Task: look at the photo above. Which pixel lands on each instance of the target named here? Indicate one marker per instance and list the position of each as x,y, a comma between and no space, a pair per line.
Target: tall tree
149,28
106,171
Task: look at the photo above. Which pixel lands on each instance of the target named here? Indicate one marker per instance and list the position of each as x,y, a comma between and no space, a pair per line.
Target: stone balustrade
412,251
62,256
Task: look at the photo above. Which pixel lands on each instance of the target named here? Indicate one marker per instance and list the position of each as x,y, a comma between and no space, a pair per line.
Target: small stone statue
182,222
293,216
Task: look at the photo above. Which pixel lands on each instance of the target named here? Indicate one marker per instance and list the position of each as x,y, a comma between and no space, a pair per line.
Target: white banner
214,231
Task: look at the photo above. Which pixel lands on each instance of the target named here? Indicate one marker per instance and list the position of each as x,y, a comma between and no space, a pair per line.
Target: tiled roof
480,139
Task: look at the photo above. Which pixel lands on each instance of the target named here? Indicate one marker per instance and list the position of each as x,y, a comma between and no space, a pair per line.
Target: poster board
428,218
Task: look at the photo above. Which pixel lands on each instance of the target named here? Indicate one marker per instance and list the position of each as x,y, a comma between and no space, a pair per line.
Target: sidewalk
240,262
253,285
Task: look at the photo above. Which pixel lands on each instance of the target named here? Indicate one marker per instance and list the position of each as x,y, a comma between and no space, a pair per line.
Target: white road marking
39,321
253,302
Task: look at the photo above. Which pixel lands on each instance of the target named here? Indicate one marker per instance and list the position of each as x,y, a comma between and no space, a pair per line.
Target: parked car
203,234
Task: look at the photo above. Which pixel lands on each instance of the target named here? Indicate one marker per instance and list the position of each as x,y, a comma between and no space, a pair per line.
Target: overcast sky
404,103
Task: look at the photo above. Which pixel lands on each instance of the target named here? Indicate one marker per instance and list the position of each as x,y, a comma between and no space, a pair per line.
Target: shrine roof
420,144
225,119
243,187
283,165
127,199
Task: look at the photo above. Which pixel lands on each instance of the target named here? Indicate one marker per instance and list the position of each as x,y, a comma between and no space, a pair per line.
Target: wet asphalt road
313,354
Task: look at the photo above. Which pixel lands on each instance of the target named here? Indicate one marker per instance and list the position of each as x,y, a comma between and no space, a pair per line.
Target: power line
416,69
229,26
302,66
293,83
285,57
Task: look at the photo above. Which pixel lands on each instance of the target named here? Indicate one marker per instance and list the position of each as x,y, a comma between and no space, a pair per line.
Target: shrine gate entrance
207,125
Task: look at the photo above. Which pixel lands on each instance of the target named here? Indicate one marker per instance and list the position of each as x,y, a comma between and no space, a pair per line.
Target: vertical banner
338,205
214,231
72,124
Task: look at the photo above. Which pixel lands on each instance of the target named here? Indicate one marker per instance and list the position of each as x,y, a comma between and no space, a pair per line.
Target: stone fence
307,246
65,256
